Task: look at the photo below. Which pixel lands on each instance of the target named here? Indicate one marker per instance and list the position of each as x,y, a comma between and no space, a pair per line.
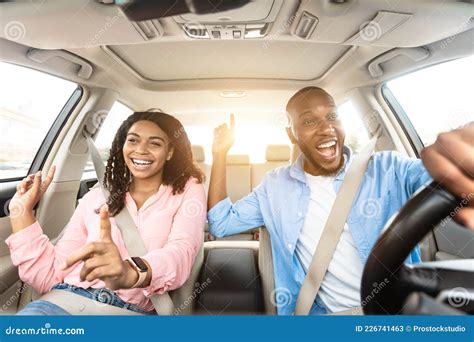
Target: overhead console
251,21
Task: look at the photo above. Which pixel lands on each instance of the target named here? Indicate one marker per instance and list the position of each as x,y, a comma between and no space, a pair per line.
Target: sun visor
371,31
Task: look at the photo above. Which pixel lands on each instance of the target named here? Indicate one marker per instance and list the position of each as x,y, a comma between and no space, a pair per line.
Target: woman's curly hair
176,172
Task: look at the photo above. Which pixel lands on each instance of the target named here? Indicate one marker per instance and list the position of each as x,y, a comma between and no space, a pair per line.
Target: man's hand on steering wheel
450,161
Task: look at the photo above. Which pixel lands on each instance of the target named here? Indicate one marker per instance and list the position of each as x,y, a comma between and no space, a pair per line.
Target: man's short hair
306,90
303,92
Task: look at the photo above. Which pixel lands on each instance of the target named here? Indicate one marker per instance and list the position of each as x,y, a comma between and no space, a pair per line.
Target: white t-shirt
340,289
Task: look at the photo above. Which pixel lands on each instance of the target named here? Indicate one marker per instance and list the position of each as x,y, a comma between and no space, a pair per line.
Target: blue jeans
318,307
42,307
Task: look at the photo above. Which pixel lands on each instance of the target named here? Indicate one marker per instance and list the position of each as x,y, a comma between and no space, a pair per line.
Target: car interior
70,66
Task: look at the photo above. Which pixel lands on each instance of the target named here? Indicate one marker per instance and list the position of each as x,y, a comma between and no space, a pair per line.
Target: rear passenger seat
275,156
199,157
238,176
242,177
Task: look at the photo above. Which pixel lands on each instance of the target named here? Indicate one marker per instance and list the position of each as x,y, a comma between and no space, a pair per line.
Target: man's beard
325,172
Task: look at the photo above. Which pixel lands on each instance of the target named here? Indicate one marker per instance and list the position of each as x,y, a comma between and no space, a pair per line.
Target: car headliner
165,70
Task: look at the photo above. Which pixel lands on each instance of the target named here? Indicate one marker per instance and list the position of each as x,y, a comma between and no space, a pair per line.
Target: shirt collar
130,202
297,169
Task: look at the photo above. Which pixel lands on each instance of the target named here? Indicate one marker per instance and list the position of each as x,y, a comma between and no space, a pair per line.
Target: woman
150,173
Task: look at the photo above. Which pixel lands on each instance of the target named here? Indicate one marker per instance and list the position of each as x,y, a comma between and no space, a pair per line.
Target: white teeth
141,162
328,144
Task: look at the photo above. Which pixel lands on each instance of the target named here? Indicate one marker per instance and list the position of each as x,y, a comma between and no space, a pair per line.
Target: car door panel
9,279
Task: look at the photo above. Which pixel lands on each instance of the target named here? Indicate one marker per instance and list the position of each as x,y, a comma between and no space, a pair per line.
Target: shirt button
290,246
300,214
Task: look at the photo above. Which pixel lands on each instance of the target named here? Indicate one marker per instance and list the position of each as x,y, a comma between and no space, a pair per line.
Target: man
294,202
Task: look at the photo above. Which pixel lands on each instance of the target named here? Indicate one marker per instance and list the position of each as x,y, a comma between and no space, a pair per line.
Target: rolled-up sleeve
412,176
226,218
411,173
171,265
38,259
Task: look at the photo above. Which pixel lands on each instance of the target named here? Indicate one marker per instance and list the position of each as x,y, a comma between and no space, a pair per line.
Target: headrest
238,159
198,153
277,153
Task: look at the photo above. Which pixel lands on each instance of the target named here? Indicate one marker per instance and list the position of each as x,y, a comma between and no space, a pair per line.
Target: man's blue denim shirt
280,202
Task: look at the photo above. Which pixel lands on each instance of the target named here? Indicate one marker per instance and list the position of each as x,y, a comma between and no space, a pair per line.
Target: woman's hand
28,193
450,161
224,137
102,259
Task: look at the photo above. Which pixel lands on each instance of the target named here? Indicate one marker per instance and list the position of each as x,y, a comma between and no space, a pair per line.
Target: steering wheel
441,288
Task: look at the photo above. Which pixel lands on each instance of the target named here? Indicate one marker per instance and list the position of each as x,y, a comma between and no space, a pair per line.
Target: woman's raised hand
29,191
102,259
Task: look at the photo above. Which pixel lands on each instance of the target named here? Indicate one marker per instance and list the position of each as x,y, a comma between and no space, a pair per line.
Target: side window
356,132
435,99
30,101
117,114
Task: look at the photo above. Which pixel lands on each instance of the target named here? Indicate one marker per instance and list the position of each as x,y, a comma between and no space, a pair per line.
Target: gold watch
142,269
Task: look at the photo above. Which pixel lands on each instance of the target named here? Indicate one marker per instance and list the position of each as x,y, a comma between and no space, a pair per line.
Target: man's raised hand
224,137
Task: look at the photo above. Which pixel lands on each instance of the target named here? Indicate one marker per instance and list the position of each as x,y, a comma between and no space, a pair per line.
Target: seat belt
333,229
267,275
132,239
